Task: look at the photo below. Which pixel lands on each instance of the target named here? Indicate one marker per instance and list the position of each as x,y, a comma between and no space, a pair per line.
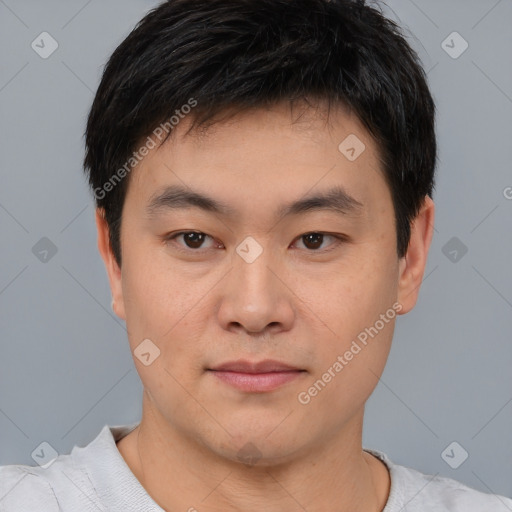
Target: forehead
261,156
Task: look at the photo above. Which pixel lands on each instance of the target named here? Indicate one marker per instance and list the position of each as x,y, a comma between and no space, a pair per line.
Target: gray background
65,365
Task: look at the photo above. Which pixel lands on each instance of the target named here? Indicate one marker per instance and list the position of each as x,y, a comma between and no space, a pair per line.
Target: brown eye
191,240
313,241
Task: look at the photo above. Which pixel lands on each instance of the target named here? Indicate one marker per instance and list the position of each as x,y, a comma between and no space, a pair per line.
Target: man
263,173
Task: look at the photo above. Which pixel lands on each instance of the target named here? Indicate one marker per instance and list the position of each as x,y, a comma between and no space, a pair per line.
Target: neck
180,473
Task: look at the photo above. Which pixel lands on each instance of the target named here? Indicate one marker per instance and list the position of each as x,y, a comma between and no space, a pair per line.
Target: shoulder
414,491
22,489
81,481
434,492
62,485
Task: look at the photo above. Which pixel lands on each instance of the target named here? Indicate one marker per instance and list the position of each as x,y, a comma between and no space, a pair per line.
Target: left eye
194,240
315,239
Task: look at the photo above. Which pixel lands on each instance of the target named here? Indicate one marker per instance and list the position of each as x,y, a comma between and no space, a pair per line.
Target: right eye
193,240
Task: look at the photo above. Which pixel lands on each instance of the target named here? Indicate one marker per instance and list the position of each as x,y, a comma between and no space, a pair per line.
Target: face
315,286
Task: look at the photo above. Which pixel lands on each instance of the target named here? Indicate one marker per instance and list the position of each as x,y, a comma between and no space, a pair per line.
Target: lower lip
257,382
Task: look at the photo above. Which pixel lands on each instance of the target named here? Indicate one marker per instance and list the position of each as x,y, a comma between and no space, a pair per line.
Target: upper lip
266,366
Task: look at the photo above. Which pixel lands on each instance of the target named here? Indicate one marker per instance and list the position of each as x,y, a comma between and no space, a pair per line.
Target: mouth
258,377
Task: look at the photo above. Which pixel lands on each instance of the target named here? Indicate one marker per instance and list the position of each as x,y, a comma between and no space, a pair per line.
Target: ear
113,270
412,265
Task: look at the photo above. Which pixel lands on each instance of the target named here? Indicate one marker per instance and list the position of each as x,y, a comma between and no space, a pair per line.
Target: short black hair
231,55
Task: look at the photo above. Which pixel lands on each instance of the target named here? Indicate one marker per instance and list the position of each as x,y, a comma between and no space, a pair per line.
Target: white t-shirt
96,478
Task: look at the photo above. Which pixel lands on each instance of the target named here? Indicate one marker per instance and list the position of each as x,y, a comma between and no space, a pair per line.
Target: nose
256,295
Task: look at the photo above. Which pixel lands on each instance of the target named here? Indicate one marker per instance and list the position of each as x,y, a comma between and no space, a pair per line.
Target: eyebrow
178,197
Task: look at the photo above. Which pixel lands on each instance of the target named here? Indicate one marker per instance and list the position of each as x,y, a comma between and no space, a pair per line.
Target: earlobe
111,266
412,265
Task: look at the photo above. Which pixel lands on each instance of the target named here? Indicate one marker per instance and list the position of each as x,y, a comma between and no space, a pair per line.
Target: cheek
355,341
167,307
160,309
155,295
348,309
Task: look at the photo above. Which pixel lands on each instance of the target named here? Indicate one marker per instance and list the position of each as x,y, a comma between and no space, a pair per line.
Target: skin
291,304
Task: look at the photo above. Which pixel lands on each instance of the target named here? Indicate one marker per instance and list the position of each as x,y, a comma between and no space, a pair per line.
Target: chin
257,452
262,445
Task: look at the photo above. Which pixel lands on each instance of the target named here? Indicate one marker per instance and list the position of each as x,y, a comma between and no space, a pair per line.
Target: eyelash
170,239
